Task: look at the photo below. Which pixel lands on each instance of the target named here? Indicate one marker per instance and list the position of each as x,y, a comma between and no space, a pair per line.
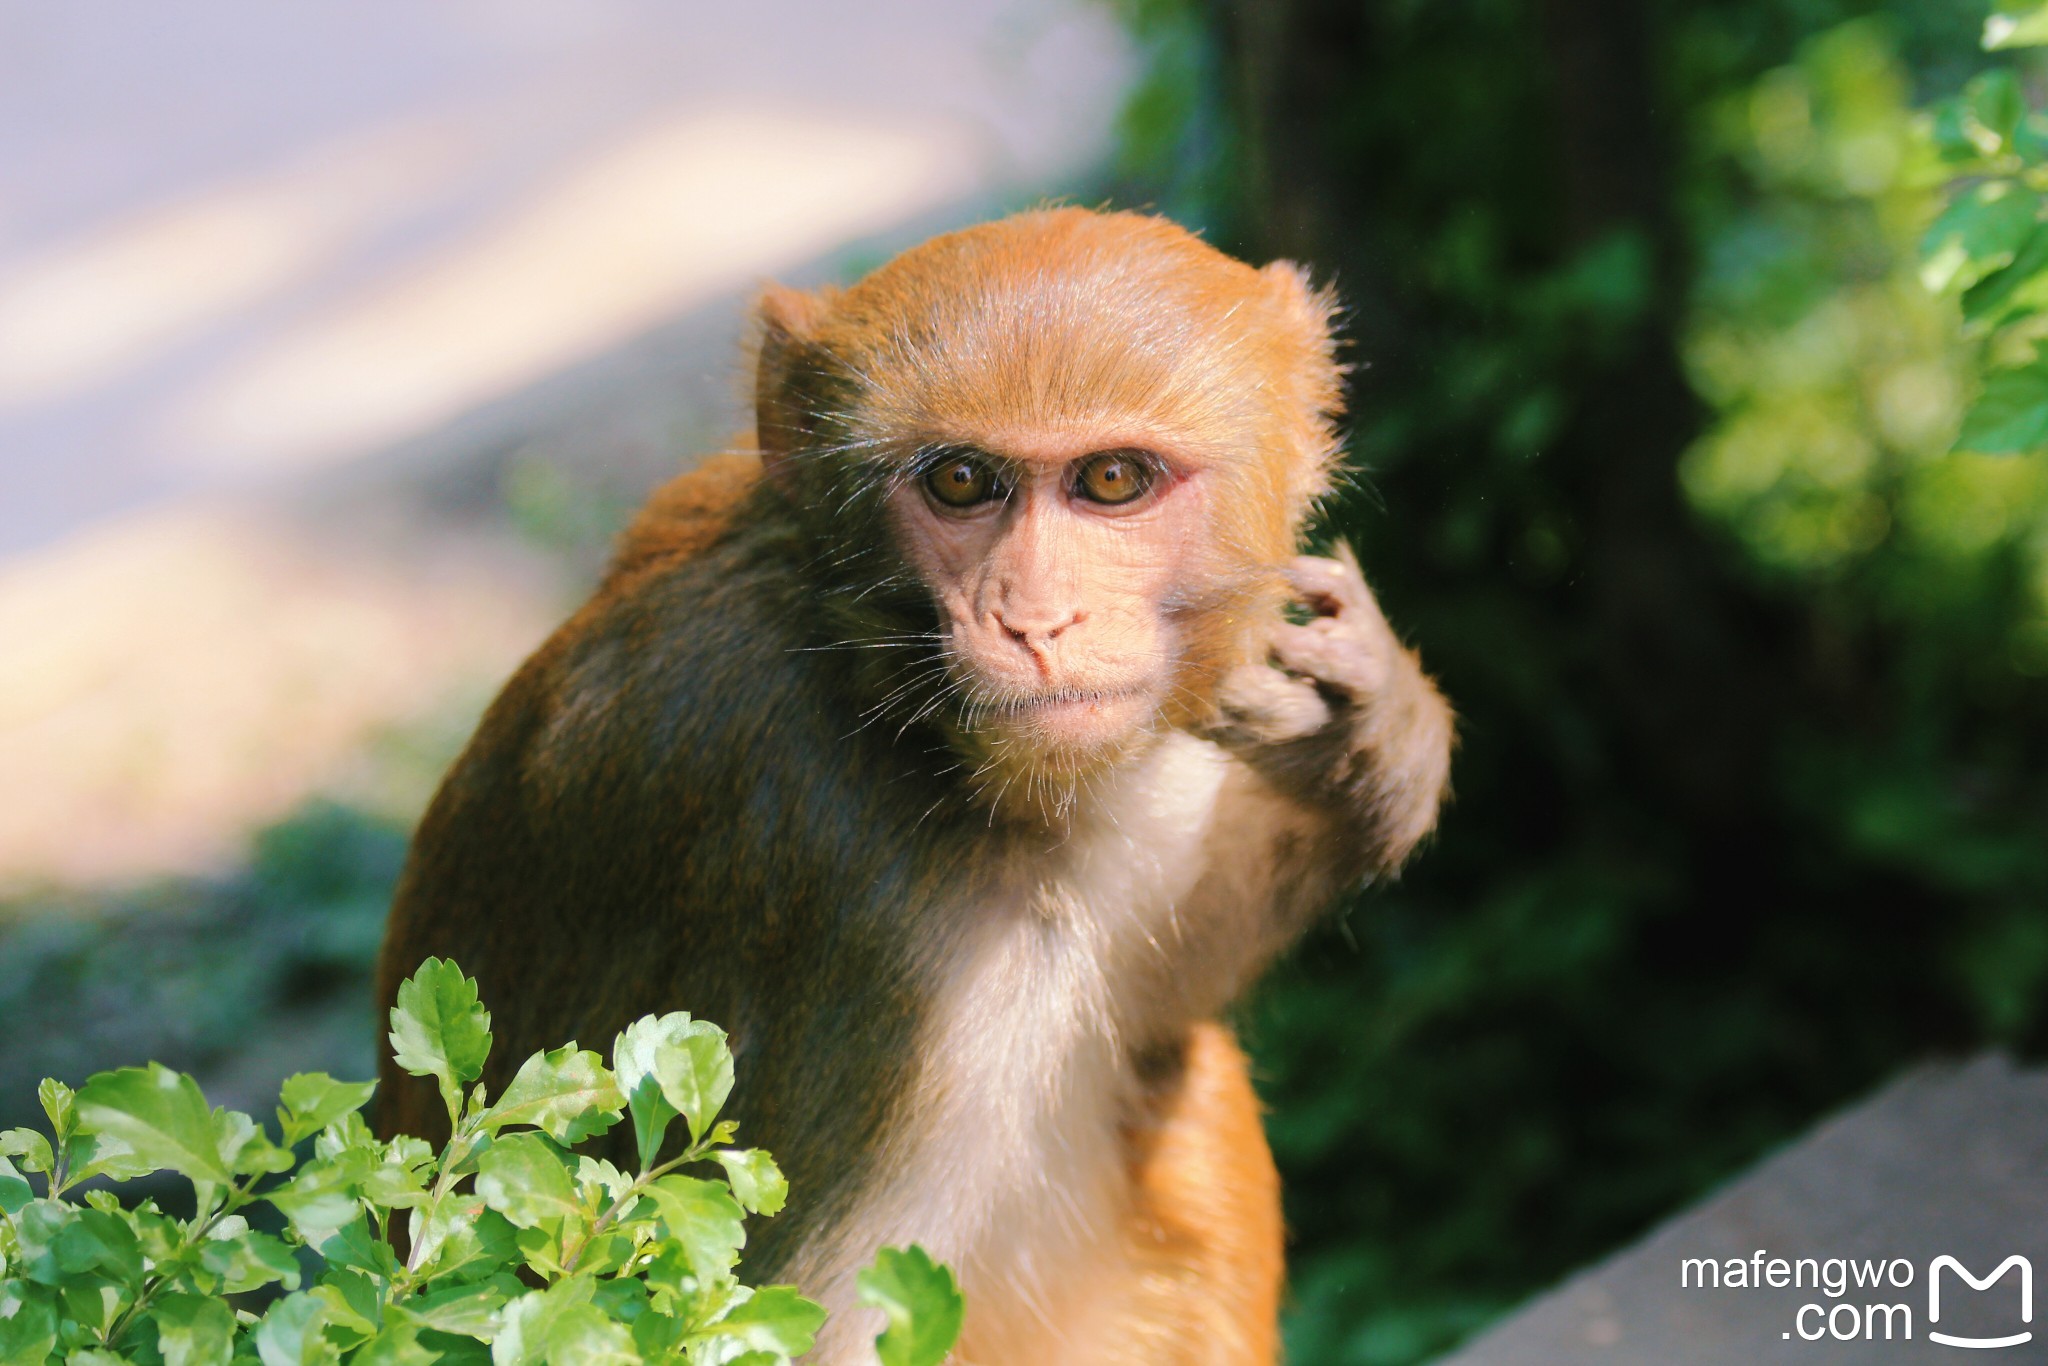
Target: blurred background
336,340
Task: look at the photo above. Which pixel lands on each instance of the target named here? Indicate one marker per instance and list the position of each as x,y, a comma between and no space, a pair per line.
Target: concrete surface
1949,1160
335,337
240,238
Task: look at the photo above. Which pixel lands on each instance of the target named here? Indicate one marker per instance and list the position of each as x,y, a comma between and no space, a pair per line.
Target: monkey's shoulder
688,667
687,516
688,712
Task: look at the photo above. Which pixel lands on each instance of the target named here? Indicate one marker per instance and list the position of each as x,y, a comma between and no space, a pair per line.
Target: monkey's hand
1342,716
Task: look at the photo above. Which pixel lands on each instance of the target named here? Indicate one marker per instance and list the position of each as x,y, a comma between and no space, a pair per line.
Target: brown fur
685,516
762,776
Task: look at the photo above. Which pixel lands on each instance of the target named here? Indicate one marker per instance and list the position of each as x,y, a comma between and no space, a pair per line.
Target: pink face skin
1053,562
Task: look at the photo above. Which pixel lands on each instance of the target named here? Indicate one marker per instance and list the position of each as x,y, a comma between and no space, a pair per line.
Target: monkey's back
662,811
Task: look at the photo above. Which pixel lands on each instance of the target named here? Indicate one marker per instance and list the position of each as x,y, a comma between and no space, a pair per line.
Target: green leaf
191,1330
246,1149
438,1028
355,1246
247,1260
704,1218
1994,100
522,1331
159,1236
2016,26
1953,131
468,1310
322,1195
58,1241
350,1302
525,1179
101,1241
1982,231
350,1133
2011,415
28,1324
310,1101
28,1145
659,1337
697,1078
399,1172
924,1306
688,1061
584,1335
756,1181
93,1303
14,1191
623,1298
36,1230
594,1171
290,1335
459,1237
633,1063
567,1092
160,1117
561,1326
354,1304
775,1319
87,1155
2017,285
59,1104
397,1345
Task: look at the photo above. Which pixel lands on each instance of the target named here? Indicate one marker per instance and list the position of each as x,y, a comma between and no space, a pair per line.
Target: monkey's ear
1308,317
782,411
1307,310
1314,379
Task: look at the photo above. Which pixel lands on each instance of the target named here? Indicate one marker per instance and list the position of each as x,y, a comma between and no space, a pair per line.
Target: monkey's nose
1036,633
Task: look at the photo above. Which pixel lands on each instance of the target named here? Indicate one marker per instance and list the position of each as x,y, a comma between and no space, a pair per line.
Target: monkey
954,745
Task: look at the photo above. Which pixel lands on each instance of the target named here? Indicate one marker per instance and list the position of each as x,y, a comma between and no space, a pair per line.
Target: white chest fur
1008,1161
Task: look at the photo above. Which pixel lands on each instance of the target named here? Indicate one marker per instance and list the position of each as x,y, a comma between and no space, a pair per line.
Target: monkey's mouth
1031,704
1072,719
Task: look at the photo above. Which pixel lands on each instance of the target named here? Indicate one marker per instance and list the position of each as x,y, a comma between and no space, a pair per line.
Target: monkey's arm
1346,745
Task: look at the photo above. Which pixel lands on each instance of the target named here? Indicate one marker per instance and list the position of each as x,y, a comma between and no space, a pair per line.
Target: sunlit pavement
273,277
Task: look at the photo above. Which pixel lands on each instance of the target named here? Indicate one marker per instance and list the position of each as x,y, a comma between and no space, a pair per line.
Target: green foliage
2016,23
514,1249
1990,246
1654,429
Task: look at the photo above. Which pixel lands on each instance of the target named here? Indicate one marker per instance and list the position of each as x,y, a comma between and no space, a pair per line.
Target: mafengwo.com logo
1873,1299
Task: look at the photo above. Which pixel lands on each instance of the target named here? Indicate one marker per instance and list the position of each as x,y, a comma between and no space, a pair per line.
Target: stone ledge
1951,1159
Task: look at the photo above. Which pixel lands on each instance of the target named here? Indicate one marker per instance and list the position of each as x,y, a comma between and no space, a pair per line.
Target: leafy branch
1989,247
518,1248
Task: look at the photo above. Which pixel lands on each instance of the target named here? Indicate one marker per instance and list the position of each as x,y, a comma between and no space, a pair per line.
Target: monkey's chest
1006,1156
1073,965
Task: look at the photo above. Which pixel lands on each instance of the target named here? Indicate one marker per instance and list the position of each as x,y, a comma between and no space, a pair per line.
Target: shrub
517,1249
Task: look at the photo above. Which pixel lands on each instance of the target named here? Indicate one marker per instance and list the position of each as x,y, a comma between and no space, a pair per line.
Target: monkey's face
1058,565
1085,442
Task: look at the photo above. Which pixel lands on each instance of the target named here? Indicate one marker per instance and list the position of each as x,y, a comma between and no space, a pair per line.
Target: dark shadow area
1750,806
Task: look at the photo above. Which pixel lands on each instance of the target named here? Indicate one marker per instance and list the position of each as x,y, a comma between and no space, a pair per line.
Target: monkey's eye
962,480
1113,477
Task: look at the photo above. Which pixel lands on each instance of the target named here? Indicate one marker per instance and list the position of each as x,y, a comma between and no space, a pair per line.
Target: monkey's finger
1332,586
1342,658
1261,705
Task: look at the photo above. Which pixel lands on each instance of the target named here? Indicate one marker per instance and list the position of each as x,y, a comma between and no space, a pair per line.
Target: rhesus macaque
954,751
